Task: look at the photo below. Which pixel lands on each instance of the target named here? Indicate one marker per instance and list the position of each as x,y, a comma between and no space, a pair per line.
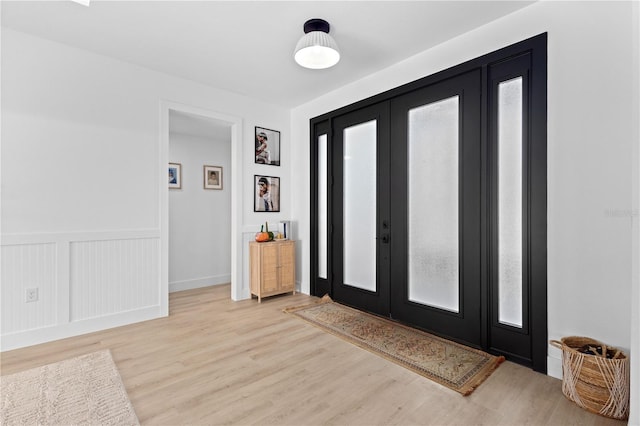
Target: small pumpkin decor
264,235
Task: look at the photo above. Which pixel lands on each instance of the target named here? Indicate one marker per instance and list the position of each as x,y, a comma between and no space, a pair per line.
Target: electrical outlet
32,295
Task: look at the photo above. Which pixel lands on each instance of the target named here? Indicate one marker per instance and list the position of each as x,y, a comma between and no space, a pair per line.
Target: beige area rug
455,366
86,390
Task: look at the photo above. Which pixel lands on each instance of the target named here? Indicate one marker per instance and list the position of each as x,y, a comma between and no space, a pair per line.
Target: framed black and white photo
175,175
267,146
212,177
266,194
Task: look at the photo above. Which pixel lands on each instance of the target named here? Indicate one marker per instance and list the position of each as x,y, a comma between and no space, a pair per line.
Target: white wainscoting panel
86,281
27,266
247,237
113,276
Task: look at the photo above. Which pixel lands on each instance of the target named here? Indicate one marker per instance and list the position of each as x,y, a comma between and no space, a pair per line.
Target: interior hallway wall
82,184
199,219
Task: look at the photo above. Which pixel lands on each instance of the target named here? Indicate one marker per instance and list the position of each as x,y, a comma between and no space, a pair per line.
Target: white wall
590,140
634,417
82,185
199,219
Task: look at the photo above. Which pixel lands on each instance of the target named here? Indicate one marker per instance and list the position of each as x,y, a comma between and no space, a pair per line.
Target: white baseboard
199,282
47,334
554,367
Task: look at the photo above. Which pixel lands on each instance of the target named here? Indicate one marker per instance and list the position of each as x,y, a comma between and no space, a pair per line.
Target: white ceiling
246,47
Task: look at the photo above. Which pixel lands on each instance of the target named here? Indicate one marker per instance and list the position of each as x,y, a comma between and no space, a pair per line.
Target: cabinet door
287,266
269,268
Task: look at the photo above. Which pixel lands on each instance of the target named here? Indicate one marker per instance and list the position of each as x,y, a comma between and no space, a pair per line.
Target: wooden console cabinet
272,268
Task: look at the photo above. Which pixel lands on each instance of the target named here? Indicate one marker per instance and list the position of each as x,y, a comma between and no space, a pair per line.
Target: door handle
385,238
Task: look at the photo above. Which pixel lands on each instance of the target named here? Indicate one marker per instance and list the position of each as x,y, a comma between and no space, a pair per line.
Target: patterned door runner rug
453,365
84,390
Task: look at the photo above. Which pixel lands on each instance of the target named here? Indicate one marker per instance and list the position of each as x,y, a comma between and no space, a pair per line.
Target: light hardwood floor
215,361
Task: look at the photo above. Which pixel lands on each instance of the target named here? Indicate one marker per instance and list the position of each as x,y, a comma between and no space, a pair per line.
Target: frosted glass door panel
510,202
322,206
359,198
433,204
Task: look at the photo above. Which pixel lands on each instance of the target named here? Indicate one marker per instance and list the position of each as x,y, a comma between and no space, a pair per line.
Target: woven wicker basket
595,383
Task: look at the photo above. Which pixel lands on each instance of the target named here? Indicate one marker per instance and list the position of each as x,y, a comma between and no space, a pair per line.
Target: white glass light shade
317,50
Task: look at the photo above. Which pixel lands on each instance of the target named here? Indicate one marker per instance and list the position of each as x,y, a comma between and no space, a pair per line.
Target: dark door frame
536,189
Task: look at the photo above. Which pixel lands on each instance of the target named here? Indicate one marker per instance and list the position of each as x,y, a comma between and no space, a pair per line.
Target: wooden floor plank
215,361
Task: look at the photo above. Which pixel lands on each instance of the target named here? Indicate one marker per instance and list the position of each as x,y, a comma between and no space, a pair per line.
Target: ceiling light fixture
316,49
